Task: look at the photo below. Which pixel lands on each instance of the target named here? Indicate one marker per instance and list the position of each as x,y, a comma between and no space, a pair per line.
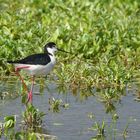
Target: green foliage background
104,34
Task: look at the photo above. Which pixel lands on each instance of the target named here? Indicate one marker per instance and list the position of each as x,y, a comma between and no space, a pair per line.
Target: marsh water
73,123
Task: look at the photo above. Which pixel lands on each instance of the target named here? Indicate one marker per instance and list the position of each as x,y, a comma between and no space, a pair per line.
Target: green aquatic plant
32,118
57,104
9,131
8,126
100,128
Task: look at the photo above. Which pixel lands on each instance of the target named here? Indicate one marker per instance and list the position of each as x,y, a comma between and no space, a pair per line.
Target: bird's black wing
35,59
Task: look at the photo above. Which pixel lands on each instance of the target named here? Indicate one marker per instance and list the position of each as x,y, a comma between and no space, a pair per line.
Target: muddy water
73,123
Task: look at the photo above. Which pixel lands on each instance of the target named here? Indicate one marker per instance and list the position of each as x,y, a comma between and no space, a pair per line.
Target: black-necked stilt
37,64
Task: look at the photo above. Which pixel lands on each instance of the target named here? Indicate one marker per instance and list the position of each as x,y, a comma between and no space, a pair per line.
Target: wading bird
36,64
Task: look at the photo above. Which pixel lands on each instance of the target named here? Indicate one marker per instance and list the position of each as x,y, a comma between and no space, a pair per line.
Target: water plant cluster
102,36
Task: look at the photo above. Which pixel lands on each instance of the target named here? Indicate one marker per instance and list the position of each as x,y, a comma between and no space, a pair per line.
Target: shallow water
73,123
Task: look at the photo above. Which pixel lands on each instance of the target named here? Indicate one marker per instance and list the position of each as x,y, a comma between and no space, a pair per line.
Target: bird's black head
50,48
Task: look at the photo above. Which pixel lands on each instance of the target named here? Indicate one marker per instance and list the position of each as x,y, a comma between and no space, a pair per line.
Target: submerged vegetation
103,37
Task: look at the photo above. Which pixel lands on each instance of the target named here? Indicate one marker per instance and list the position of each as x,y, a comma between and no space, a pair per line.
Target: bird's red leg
30,94
17,73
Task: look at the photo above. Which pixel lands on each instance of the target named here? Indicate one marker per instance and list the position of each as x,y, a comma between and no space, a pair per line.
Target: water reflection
71,109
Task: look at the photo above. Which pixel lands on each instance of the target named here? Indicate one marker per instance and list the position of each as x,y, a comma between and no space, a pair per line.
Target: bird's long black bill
63,51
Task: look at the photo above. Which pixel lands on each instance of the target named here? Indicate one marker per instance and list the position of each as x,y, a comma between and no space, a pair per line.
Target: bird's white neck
51,50
52,57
